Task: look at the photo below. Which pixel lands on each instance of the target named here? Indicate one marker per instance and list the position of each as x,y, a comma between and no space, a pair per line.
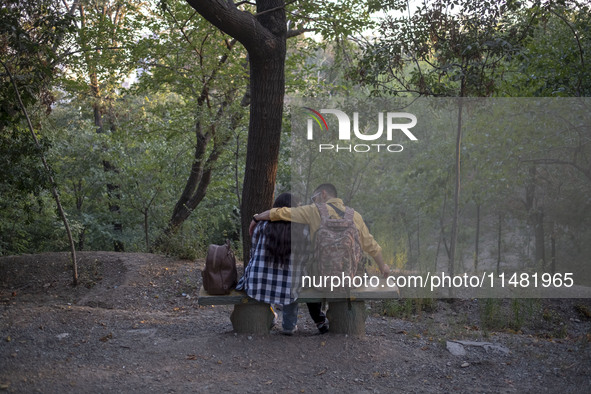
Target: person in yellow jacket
308,214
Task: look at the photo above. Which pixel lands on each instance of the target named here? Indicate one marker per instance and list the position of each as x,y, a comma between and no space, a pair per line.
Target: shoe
323,327
275,318
289,332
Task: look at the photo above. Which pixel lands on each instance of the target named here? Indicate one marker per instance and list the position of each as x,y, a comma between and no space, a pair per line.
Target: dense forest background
138,121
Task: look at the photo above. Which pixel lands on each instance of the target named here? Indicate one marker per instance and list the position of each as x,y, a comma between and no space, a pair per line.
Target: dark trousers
315,309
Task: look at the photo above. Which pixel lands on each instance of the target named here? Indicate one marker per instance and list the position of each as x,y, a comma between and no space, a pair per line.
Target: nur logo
394,121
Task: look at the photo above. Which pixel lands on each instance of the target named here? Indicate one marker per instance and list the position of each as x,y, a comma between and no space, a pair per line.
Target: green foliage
151,157
408,307
29,34
29,31
440,50
21,168
187,81
330,19
499,314
490,314
555,61
160,78
103,52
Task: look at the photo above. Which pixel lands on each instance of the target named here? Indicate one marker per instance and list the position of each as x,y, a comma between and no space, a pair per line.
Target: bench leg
252,318
347,317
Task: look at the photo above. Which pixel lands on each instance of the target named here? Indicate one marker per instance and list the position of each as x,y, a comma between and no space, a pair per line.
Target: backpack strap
323,212
338,211
347,214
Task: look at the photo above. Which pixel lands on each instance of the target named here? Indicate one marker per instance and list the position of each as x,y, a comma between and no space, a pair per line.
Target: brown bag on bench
220,275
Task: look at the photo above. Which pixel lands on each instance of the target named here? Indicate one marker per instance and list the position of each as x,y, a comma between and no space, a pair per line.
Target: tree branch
275,9
584,171
581,53
65,54
238,24
181,28
298,32
54,190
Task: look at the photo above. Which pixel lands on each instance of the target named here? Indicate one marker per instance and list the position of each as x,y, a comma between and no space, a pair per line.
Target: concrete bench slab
346,310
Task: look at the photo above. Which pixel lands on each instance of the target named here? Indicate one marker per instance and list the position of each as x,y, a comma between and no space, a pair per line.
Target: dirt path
134,325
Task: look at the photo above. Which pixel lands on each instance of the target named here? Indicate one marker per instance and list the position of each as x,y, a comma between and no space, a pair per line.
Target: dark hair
285,200
329,188
278,234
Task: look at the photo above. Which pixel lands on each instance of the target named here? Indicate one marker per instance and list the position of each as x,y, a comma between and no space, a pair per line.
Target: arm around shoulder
257,217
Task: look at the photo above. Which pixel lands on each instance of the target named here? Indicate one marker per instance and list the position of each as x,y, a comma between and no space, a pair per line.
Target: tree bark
418,235
409,258
190,196
540,252
454,227
499,242
477,238
553,250
146,228
442,230
264,37
535,218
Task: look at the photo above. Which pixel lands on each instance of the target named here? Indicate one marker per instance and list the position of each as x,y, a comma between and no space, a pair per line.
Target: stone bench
346,313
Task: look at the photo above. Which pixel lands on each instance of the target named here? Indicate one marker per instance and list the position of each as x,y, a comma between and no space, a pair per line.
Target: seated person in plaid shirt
276,263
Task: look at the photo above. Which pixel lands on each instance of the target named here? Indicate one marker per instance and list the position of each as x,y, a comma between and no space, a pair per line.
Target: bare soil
133,324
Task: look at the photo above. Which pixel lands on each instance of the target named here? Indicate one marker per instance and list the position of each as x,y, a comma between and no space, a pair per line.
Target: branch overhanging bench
346,311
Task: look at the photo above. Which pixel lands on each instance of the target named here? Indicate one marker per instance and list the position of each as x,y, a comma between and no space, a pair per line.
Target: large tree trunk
264,37
266,109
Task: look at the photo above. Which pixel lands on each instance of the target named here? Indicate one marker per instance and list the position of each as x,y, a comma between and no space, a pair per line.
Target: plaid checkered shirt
271,283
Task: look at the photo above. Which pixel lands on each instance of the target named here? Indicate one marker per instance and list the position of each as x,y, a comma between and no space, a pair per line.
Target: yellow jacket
309,214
